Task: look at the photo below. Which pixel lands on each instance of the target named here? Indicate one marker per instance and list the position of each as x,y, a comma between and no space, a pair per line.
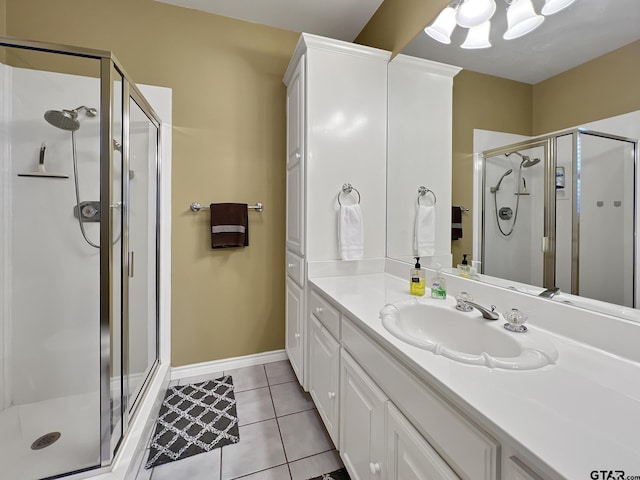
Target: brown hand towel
229,225
456,222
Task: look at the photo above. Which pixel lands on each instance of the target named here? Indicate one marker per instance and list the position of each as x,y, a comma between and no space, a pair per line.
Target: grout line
279,431
258,471
314,454
295,413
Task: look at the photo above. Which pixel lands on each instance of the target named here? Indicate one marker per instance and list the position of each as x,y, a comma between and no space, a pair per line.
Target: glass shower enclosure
79,207
559,212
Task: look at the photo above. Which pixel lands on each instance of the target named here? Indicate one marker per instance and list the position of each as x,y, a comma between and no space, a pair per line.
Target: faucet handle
461,302
516,320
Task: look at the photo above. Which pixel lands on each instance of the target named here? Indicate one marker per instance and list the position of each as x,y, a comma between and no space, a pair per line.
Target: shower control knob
89,211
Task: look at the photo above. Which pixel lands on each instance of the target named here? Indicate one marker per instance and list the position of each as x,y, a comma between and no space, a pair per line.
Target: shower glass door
605,220
515,232
50,340
141,322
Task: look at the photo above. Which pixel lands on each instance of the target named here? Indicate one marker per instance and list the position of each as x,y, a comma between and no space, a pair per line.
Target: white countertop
579,415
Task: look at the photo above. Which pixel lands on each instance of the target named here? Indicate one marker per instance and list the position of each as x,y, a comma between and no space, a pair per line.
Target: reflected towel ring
422,191
347,188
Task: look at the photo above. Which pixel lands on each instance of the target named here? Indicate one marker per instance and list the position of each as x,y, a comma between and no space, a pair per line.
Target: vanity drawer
327,314
471,453
295,267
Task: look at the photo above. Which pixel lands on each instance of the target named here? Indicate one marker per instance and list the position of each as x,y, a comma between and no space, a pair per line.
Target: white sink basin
465,337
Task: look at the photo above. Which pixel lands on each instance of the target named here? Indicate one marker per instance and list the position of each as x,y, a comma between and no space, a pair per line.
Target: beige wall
602,88
3,17
396,22
488,103
228,146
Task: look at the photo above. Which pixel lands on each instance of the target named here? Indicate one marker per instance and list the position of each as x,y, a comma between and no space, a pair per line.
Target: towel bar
196,207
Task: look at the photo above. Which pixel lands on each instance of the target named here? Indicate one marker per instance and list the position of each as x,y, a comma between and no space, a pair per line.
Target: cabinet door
295,160
362,421
409,456
324,372
295,208
294,316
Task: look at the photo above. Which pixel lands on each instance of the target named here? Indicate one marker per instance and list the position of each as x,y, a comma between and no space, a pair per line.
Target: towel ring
422,191
347,189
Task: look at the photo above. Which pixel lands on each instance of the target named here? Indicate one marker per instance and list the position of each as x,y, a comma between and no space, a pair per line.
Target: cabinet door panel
294,316
362,420
324,371
295,208
409,456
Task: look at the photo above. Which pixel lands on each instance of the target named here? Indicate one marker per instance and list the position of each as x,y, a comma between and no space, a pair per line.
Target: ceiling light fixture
521,19
476,15
478,36
472,13
553,6
443,25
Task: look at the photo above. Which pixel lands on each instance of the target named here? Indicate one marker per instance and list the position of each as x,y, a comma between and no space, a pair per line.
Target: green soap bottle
416,280
438,286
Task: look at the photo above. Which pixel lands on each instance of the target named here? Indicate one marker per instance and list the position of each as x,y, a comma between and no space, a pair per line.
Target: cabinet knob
289,265
332,395
318,310
374,468
298,155
297,336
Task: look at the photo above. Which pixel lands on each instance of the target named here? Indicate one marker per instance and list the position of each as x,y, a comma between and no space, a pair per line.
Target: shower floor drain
45,440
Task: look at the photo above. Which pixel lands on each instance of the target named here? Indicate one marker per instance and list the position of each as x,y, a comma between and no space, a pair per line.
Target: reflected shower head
497,187
527,162
68,119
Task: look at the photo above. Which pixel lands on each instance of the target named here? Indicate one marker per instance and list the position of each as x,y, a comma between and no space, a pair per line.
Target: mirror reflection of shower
505,213
69,120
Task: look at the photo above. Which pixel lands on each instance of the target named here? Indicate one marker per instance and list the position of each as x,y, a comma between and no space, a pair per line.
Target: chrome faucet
487,314
550,292
464,304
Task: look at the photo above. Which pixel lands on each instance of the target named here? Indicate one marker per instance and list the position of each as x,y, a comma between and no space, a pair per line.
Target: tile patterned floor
281,434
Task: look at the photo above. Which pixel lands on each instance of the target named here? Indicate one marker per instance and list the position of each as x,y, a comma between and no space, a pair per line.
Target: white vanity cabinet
362,422
336,134
294,307
409,456
324,373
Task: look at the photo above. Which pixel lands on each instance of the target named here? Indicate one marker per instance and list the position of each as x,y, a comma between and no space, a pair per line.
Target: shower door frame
549,223
107,203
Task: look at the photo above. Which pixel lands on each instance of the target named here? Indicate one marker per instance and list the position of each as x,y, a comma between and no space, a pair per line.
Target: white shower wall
54,272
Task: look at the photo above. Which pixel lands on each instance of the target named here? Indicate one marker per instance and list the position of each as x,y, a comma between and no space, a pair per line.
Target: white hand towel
424,240
350,233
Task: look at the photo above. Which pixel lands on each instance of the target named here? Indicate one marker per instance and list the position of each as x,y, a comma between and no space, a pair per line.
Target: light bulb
521,19
478,37
442,26
474,12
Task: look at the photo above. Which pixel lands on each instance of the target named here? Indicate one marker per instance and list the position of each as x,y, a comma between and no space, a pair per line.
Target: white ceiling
583,31
340,19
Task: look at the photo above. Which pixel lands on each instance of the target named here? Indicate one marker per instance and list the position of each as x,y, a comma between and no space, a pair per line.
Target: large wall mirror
567,87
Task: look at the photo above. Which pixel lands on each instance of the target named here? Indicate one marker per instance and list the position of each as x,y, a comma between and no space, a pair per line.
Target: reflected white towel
424,240
350,233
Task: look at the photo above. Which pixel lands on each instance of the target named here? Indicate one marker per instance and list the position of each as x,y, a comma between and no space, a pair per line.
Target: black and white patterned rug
194,418
337,475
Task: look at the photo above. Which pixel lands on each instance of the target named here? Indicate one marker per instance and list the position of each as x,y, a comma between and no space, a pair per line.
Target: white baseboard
206,368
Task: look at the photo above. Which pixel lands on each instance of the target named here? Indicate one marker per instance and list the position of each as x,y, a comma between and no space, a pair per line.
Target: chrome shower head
64,119
527,162
68,119
497,187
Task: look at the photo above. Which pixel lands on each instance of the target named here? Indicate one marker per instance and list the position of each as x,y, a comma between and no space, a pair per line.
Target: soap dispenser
416,282
438,285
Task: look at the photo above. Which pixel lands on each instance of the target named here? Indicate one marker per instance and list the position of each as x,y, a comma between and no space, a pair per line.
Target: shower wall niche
79,284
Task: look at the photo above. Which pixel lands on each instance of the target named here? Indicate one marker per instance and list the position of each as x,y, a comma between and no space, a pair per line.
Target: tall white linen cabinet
336,134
